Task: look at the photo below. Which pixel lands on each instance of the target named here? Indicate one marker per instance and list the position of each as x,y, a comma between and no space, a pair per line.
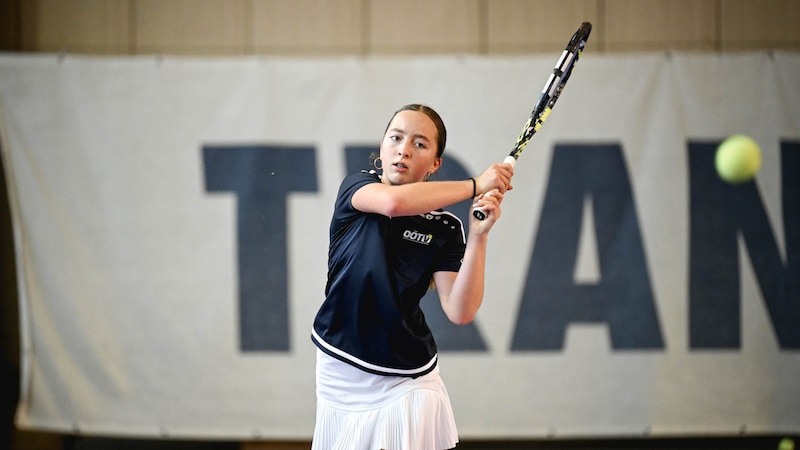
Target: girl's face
408,149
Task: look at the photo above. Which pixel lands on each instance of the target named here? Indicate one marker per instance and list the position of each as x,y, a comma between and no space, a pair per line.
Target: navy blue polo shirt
379,268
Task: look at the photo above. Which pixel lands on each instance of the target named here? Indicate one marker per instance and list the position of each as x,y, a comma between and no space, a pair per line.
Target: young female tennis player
378,383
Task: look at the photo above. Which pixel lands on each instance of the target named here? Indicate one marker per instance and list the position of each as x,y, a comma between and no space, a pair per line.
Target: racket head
553,87
549,95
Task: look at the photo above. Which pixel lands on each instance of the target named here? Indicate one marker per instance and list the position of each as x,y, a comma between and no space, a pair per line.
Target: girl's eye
419,144
394,137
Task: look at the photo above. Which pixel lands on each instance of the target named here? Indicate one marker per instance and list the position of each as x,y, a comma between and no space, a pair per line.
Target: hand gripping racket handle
478,212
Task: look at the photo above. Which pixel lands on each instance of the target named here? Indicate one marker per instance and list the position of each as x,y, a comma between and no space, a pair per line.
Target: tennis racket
552,90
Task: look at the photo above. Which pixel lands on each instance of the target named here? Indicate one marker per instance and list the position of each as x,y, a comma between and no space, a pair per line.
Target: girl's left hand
489,203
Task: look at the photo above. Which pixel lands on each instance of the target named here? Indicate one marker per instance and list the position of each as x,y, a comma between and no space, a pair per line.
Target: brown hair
434,116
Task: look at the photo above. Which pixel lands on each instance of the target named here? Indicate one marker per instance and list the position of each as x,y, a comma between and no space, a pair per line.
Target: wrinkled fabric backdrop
170,218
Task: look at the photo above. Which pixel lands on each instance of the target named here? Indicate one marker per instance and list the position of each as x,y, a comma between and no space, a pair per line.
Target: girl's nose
404,149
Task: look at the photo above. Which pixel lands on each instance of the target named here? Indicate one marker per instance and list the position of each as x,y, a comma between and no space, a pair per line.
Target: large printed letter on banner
623,298
722,215
261,178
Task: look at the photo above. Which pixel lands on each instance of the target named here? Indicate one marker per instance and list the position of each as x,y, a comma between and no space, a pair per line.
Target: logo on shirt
416,236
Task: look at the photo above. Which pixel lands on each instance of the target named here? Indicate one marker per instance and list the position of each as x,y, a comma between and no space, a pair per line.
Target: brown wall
392,27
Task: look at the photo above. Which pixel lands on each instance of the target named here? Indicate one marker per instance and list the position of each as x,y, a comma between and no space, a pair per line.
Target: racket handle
477,212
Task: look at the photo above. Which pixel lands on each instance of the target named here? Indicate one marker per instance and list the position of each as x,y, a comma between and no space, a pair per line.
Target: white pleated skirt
357,410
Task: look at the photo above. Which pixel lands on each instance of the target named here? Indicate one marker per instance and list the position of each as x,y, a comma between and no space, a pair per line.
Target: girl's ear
436,164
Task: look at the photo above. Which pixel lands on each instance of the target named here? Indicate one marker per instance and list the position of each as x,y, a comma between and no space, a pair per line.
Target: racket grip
477,212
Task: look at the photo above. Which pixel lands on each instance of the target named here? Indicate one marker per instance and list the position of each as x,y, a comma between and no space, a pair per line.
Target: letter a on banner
623,297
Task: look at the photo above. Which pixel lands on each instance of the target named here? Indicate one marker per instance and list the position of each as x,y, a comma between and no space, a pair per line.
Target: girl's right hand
497,176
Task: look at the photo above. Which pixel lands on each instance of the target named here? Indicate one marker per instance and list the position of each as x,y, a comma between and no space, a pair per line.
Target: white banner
171,230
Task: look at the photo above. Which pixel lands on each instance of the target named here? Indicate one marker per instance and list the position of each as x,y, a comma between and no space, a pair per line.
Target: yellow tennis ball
786,444
738,159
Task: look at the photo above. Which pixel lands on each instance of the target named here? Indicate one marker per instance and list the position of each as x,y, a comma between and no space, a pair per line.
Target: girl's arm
461,293
419,198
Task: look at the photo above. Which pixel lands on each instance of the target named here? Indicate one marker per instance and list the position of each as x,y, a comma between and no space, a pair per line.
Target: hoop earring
377,163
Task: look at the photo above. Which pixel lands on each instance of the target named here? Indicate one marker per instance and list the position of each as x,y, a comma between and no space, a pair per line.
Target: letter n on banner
721,214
